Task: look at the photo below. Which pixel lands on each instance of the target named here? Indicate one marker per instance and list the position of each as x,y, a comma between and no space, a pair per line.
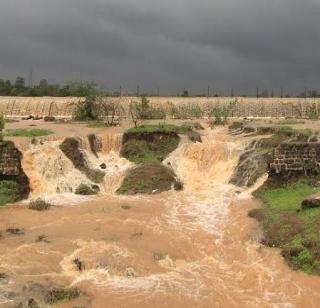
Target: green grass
288,227
160,128
147,179
139,152
143,149
27,132
8,192
148,146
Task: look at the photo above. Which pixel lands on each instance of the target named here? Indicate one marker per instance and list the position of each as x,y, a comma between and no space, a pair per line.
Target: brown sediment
195,248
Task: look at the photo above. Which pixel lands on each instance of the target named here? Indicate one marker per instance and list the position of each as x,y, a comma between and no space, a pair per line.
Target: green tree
83,88
20,83
185,93
87,110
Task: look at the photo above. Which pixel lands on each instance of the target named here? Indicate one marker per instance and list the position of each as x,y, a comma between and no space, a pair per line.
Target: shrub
143,111
39,205
86,190
219,115
58,295
314,112
87,110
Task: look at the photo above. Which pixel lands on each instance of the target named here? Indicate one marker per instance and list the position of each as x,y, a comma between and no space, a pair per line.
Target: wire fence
173,106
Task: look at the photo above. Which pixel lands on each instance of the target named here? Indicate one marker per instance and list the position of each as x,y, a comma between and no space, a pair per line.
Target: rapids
194,248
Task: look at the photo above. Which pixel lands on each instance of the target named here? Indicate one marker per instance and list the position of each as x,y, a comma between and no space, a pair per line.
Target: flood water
194,248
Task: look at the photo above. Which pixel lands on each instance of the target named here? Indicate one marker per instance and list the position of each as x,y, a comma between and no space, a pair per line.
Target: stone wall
10,159
298,157
244,106
11,169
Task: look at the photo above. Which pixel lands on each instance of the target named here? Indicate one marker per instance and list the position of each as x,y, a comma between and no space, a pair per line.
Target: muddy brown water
195,248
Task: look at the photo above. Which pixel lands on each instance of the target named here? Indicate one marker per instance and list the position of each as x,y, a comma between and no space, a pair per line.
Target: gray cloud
167,44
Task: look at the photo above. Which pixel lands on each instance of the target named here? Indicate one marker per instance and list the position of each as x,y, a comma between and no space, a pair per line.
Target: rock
3,276
251,166
103,166
73,149
311,202
95,144
15,231
130,272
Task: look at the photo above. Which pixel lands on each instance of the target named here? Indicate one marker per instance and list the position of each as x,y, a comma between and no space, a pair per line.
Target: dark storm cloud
167,44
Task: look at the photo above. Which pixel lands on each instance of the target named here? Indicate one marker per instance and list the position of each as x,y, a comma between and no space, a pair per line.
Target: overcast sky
170,44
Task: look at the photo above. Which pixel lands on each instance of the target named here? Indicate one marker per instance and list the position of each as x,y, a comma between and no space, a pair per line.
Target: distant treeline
72,88
87,88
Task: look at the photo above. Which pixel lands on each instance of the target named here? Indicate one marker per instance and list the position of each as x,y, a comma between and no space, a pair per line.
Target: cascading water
195,248
52,174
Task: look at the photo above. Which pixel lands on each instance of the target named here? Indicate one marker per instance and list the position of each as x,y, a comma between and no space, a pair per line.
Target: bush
58,295
143,111
219,115
39,205
87,110
86,190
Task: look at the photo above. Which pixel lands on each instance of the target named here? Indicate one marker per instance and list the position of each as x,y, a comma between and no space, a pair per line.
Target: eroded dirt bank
195,248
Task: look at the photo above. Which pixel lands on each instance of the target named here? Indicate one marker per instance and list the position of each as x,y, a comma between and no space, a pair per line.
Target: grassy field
166,128
27,132
288,227
97,124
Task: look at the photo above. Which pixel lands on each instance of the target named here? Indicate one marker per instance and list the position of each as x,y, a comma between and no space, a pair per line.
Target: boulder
311,202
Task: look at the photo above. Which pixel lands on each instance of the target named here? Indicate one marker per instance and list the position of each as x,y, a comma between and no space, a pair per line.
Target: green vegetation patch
288,227
87,190
39,205
139,152
55,296
153,143
27,132
148,179
9,192
148,146
161,128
